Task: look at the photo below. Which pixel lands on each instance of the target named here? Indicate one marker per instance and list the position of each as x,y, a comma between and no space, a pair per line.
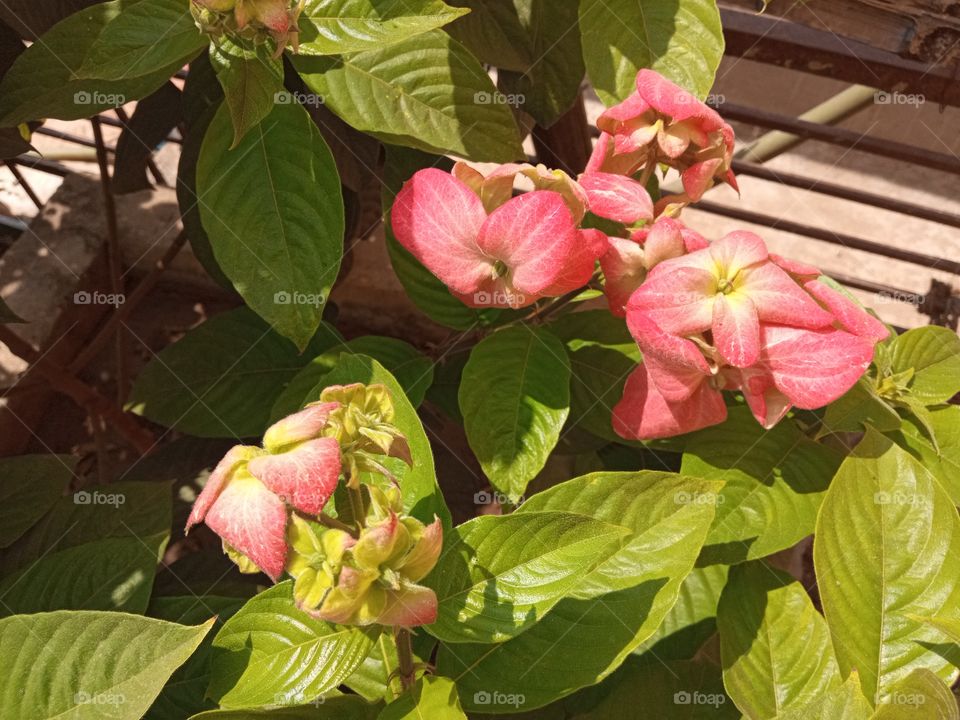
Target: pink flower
663,123
617,197
525,249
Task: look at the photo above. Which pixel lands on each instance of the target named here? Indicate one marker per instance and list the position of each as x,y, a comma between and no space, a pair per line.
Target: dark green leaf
252,81
29,487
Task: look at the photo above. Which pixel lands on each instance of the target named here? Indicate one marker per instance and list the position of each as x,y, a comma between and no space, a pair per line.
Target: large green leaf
498,576
147,37
334,708
29,486
44,80
273,653
602,354
919,696
492,31
860,406
431,697
273,210
775,645
944,459
421,495
88,665
681,40
886,552
252,82
515,397
222,378
425,92
377,678
774,482
843,703
615,608
332,27
933,353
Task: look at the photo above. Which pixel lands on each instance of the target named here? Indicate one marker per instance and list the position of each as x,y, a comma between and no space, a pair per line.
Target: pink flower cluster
708,316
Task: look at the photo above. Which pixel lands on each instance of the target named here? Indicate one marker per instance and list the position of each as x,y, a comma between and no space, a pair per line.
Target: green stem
408,677
356,506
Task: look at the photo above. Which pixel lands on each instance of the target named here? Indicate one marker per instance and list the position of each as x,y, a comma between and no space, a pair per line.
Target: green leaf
949,626
515,397
425,290
860,406
933,353
252,82
426,92
942,461
775,645
887,550
499,575
89,665
681,40
8,316
29,487
431,697
493,33
147,37
615,608
334,708
273,210
222,378
111,574
44,83
413,370
774,481
602,354
377,678
843,703
692,619
919,696
332,27
421,495
273,653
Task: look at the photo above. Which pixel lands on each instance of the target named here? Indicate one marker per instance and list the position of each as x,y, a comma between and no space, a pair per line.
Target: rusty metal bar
35,163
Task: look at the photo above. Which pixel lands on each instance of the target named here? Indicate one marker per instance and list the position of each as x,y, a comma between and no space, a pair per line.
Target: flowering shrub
582,485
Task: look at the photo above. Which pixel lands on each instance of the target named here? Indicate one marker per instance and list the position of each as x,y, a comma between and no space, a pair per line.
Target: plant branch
408,673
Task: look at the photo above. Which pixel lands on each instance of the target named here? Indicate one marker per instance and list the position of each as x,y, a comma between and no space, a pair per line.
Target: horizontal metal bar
834,238
68,137
842,137
48,166
742,167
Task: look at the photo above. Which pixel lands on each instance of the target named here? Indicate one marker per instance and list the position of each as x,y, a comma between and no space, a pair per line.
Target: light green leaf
692,619
334,708
377,678
432,697
43,81
843,703
515,397
887,549
332,27
421,495
860,406
273,653
775,646
29,486
774,481
426,92
499,575
273,210
949,626
147,37
681,40
919,696
222,378
615,608
88,665
944,461
933,353
252,82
